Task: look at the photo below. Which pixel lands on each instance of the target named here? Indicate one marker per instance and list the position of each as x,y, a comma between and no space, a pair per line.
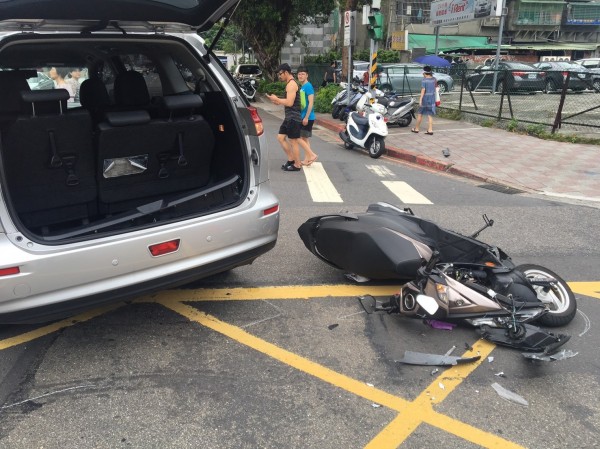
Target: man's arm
311,99
290,95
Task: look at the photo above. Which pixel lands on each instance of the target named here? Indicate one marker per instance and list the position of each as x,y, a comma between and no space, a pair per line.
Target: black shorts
306,130
290,128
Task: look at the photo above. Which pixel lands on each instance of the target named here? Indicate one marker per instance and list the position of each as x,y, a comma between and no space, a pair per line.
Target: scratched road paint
411,414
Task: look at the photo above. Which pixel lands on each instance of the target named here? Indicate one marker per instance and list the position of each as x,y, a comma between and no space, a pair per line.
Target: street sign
450,12
400,40
349,28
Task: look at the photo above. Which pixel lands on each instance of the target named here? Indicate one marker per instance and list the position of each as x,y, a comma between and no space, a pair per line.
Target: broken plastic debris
370,385
356,277
560,355
468,347
509,395
375,405
446,152
434,372
420,358
441,385
332,326
500,374
490,359
436,324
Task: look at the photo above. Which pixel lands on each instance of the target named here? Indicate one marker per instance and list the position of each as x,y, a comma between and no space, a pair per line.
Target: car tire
550,87
596,85
443,87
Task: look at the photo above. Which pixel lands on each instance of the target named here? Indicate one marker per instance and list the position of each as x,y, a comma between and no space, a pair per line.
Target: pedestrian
307,114
289,131
330,75
426,101
58,75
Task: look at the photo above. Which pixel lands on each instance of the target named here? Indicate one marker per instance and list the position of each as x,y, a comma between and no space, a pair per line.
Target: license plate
532,76
581,75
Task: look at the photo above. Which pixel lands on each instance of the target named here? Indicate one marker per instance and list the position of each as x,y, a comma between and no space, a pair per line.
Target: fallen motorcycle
446,276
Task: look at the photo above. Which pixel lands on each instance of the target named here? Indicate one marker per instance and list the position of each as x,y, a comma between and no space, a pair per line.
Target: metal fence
556,99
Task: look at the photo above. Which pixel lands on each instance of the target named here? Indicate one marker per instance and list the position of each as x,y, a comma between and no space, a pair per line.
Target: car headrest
93,94
40,96
176,102
12,83
131,90
127,118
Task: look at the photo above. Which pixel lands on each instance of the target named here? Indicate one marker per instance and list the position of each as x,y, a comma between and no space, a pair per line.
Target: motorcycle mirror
428,303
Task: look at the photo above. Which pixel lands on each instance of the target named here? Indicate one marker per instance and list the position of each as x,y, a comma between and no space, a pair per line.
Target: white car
159,178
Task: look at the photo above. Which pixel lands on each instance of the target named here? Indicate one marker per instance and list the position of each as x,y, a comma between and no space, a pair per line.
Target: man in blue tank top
289,131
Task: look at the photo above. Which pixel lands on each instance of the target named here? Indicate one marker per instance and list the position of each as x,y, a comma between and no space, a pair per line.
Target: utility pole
375,29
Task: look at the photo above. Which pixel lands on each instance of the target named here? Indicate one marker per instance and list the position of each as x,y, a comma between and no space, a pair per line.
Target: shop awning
553,46
447,43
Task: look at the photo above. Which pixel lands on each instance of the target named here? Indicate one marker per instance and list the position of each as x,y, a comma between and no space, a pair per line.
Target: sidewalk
557,169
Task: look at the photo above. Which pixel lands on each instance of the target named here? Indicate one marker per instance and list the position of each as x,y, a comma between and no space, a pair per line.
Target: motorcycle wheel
335,113
406,120
376,146
560,299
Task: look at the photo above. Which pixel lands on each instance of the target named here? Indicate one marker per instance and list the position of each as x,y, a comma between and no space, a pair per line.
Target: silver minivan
153,174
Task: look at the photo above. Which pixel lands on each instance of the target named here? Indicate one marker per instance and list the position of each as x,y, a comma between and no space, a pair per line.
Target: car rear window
517,66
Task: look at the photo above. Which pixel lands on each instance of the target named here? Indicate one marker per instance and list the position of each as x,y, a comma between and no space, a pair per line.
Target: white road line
381,171
405,192
320,186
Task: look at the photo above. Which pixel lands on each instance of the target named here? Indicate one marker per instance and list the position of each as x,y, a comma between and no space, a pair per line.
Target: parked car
519,77
127,194
247,71
580,78
40,82
358,69
593,65
406,79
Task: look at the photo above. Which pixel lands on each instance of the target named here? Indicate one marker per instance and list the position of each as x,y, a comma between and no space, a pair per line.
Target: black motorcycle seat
359,119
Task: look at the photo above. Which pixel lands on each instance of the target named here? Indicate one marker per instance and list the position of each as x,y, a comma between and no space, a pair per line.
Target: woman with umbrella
426,101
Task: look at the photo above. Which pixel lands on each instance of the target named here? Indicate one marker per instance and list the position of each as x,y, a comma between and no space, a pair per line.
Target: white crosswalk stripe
405,192
320,186
381,171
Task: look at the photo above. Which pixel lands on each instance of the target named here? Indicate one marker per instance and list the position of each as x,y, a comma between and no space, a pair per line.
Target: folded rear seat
49,160
142,160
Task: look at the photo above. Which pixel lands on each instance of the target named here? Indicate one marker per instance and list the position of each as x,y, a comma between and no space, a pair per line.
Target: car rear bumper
120,266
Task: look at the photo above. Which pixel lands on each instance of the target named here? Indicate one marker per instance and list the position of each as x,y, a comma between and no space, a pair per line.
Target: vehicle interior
148,139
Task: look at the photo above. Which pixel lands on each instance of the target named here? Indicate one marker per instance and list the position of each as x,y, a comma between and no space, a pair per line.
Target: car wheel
443,87
596,84
386,88
550,87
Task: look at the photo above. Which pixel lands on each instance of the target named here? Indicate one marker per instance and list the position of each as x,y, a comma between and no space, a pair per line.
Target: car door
414,76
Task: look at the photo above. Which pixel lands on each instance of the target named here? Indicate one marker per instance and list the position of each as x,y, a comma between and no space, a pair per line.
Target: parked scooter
356,94
400,110
447,276
247,86
340,100
368,131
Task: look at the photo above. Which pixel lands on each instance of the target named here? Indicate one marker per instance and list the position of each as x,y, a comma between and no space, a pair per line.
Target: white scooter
400,110
368,131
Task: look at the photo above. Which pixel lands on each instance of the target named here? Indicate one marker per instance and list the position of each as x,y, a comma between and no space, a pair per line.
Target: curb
418,159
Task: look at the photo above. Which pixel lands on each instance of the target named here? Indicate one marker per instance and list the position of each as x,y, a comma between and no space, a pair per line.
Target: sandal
416,131
430,133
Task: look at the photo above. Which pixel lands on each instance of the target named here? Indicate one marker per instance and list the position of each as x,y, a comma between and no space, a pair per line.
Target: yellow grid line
411,414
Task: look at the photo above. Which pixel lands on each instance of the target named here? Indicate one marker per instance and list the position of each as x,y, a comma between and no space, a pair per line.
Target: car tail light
521,74
271,210
9,271
542,74
258,124
160,249
565,74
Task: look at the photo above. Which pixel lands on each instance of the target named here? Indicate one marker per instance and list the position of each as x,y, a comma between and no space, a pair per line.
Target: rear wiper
141,211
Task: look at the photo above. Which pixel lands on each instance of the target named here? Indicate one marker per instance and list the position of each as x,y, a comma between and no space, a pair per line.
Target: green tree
265,24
